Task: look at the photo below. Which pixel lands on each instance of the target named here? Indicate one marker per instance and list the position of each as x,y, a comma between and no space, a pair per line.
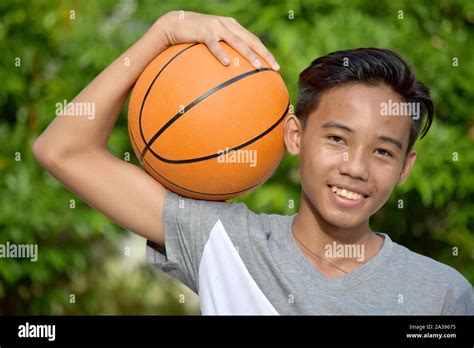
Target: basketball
205,130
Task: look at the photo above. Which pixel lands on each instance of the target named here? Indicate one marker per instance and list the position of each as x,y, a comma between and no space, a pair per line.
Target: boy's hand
183,27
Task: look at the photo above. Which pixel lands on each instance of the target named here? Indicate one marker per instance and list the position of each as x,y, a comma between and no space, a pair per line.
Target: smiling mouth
347,194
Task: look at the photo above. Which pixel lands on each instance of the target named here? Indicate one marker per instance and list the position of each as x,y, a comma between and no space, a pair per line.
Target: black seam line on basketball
153,82
204,158
194,103
191,191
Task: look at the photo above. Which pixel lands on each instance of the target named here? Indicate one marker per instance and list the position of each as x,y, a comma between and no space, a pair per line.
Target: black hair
370,66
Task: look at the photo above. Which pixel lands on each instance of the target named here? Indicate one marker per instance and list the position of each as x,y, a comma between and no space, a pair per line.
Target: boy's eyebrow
384,138
394,141
337,125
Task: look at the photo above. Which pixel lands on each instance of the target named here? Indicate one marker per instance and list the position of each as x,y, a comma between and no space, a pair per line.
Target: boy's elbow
44,153
53,154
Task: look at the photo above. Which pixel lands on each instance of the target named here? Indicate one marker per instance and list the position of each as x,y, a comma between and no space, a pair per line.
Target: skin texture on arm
74,149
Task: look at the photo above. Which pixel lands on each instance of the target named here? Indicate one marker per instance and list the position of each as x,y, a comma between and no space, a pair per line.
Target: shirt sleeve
462,304
187,224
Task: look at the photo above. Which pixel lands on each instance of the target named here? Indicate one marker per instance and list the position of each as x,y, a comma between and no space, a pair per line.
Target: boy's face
347,144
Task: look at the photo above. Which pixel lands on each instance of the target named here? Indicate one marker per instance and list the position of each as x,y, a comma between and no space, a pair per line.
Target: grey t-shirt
240,262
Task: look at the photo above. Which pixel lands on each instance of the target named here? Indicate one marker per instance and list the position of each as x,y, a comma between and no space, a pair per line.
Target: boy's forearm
67,135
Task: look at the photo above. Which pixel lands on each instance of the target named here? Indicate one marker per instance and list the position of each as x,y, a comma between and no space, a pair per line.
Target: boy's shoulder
428,270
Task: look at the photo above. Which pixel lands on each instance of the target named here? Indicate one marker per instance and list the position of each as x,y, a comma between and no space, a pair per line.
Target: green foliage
60,55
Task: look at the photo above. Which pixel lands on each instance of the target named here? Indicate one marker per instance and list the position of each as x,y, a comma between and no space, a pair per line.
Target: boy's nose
355,164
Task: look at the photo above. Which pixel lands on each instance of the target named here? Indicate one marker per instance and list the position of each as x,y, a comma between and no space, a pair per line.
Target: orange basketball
205,130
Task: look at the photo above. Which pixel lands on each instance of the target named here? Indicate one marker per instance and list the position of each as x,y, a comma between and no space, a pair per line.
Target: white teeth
346,193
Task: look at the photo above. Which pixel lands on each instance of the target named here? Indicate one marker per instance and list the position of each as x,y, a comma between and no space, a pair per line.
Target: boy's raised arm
74,149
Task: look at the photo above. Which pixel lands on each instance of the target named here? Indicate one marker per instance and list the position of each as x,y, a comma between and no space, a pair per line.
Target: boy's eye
384,153
335,138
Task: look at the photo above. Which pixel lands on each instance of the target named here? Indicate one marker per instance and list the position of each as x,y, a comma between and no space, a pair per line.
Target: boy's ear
293,132
410,159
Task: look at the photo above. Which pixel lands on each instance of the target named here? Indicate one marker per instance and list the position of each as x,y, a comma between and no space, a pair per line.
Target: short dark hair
370,66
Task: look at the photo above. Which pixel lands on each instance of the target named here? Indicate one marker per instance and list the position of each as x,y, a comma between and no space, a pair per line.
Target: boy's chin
344,222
